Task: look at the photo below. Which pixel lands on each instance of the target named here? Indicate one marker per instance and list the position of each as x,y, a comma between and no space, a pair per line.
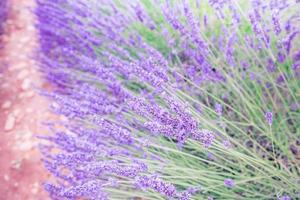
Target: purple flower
219,109
227,144
155,183
211,156
269,117
187,194
271,67
91,190
229,182
296,63
284,197
281,57
178,125
206,137
276,24
255,19
218,4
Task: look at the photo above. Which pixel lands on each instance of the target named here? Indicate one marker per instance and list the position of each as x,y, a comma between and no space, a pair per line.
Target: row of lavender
3,13
3,16
4,9
171,99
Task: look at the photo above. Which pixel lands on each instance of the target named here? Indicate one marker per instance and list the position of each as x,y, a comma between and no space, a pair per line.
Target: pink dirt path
21,110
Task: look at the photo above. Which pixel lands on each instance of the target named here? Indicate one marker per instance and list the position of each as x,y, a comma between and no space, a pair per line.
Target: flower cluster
140,85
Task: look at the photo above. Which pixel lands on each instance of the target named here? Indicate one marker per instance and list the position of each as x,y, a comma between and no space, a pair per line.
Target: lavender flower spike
269,117
229,182
218,109
285,197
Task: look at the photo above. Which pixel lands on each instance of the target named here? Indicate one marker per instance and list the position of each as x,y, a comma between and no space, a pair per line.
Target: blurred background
22,111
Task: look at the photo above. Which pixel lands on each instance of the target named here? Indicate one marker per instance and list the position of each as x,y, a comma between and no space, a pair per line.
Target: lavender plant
4,7
172,99
3,15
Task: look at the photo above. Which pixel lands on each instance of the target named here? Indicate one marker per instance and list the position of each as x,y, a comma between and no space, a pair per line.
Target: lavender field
171,99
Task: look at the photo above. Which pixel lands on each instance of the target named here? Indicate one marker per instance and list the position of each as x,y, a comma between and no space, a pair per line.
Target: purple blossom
91,190
192,22
271,67
255,23
230,49
284,197
205,20
276,24
269,117
187,194
164,188
178,126
229,182
296,63
206,137
287,43
227,144
280,78
211,156
278,4
218,4
172,18
155,183
114,167
218,109
235,14
281,57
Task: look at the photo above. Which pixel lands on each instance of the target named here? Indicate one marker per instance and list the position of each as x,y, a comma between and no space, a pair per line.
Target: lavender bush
3,15
171,99
4,8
